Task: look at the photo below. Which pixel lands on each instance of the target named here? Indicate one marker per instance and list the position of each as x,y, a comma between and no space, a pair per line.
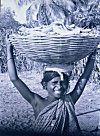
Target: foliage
88,16
21,2
79,69
7,20
8,25
86,12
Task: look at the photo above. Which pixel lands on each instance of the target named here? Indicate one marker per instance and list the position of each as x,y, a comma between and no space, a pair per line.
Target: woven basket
55,49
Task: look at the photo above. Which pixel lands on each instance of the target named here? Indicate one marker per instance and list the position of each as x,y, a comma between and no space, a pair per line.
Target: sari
58,119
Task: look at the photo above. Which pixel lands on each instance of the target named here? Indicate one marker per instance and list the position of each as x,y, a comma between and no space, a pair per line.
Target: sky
19,11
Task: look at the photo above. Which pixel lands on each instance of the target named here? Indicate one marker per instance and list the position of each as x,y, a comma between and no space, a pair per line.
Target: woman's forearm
79,87
90,64
11,64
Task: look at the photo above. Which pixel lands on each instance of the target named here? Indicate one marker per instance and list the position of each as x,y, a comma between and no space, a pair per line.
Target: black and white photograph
50,68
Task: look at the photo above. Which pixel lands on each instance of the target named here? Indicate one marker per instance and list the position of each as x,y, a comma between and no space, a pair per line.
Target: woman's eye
55,82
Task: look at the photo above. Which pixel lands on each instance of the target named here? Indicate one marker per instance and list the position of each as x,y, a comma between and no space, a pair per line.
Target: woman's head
53,84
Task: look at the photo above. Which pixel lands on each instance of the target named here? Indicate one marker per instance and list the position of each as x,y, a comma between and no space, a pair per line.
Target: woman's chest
40,106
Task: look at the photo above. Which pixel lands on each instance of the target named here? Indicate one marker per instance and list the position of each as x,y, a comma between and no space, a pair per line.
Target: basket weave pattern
55,49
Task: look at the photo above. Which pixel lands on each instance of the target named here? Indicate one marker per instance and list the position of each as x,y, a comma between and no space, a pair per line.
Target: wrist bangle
9,59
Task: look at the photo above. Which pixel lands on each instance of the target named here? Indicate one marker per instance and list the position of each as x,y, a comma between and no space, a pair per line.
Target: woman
55,115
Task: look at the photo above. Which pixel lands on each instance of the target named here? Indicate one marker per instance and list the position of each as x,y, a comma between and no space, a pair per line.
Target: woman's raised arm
18,83
79,87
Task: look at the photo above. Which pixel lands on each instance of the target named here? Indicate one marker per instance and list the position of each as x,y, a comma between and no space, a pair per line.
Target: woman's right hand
8,43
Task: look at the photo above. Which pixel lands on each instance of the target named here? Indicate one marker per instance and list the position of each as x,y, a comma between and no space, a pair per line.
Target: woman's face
56,87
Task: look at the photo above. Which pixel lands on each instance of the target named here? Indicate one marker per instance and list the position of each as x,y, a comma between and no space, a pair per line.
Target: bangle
9,59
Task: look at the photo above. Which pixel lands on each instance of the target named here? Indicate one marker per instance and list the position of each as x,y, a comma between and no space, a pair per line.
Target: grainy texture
56,48
17,114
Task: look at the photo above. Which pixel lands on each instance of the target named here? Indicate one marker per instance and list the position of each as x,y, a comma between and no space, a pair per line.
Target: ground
17,114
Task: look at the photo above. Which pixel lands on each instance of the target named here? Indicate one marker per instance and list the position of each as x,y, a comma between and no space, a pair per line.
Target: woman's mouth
58,92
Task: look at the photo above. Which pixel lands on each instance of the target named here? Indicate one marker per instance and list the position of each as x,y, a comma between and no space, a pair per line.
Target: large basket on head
55,49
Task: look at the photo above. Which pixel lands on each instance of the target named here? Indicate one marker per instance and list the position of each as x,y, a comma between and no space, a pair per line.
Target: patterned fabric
58,119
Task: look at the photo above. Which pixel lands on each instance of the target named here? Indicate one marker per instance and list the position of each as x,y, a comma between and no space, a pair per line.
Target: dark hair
65,77
49,75
65,82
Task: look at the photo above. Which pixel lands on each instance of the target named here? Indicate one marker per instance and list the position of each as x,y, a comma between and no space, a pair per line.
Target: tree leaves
21,2
7,19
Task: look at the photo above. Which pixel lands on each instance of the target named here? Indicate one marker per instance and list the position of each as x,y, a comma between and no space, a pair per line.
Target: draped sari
58,119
